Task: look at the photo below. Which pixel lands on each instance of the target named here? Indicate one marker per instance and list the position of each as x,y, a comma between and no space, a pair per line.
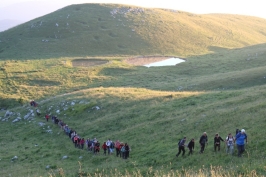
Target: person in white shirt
108,143
230,140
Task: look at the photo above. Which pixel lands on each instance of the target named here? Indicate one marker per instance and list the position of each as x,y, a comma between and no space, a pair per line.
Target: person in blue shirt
181,147
241,137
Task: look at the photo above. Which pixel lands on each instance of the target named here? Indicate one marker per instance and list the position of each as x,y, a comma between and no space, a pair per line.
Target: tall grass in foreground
214,171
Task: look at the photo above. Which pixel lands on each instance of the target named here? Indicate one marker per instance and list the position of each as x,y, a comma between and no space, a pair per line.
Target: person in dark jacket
181,147
217,142
203,140
104,147
127,149
191,146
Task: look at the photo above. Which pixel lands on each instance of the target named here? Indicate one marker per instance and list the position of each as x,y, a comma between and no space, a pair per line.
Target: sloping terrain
108,30
219,88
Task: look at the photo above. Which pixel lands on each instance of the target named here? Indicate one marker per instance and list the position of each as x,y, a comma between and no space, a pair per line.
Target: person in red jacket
82,142
97,147
47,117
117,147
104,147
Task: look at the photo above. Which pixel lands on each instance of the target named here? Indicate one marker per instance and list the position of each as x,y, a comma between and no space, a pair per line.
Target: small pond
167,62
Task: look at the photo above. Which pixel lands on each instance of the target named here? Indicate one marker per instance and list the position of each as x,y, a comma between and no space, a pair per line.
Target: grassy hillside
219,88
115,30
150,108
224,69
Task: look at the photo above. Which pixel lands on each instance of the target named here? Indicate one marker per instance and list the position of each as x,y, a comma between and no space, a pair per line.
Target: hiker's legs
202,148
117,152
231,150
183,149
190,151
126,154
179,151
219,147
240,149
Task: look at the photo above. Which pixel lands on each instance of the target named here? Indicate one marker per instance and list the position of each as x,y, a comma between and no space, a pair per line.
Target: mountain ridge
109,30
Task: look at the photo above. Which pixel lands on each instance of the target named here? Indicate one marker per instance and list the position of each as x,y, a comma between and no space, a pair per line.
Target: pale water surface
167,62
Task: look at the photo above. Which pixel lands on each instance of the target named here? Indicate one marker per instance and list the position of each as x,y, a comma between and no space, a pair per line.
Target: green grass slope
150,108
219,88
108,30
152,122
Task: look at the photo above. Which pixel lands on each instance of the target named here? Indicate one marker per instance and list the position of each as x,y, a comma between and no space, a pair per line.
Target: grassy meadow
219,88
119,30
146,107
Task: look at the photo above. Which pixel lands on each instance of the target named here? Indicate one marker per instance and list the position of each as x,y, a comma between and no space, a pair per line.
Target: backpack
179,143
237,131
123,149
230,143
112,145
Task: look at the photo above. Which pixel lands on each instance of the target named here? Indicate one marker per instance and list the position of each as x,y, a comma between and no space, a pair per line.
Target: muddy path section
88,62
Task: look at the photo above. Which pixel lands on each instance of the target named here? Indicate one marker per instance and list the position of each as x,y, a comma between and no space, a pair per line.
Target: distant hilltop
111,30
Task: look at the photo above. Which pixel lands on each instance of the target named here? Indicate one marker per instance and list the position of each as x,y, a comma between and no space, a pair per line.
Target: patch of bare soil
88,62
144,60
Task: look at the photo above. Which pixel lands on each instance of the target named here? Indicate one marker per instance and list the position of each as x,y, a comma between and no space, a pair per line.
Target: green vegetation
219,88
116,30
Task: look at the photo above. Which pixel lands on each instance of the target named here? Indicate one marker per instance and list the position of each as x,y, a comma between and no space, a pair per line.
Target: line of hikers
240,139
92,145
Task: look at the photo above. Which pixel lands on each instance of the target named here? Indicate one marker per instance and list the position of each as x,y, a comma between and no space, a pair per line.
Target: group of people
33,103
93,145
239,139
123,149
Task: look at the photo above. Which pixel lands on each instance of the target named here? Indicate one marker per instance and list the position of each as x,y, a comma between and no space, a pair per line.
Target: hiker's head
192,139
204,133
243,131
185,138
230,134
216,134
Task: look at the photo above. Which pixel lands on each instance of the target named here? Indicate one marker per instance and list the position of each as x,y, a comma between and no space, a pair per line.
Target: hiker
203,140
191,146
230,144
240,142
117,147
127,149
38,112
47,117
108,144
122,150
33,103
112,146
89,145
97,147
82,142
217,141
181,147
75,140
104,147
